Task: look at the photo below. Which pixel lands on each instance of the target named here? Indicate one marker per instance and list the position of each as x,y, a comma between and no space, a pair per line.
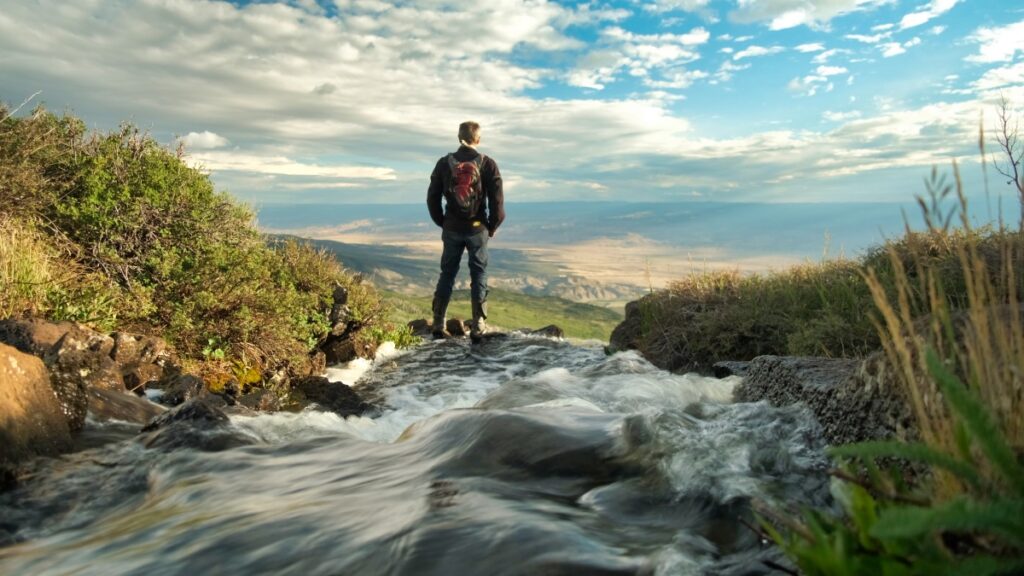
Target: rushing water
523,455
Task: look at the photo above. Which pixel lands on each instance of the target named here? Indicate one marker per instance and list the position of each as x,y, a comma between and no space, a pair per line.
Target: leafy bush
145,241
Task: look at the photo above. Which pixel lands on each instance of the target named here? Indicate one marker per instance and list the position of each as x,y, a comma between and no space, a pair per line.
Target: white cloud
830,70
639,54
936,30
874,39
678,80
204,140
882,27
926,13
830,116
283,166
812,47
890,49
757,51
1003,77
827,54
998,44
727,70
783,14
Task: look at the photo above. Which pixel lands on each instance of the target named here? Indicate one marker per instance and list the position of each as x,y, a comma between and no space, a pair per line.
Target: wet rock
456,327
333,396
420,327
261,400
317,363
338,350
730,368
629,332
140,359
853,400
105,405
33,335
549,331
180,389
198,424
31,420
78,361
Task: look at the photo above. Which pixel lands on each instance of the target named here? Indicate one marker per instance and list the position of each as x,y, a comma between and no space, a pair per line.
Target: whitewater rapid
525,455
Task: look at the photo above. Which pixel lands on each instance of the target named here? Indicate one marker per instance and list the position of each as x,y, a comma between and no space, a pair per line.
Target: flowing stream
524,455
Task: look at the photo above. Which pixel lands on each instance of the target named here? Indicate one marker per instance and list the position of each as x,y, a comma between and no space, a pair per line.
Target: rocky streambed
525,455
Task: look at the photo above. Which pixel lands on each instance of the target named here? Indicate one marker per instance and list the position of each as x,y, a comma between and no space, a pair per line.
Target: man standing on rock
474,209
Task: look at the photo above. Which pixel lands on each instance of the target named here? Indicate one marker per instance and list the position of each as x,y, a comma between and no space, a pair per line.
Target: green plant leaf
979,423
913,451
1002,517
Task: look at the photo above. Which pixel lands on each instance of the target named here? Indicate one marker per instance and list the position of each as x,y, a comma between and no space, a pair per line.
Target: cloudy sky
352,101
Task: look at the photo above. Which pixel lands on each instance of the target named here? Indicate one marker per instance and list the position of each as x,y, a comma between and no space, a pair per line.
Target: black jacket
491,213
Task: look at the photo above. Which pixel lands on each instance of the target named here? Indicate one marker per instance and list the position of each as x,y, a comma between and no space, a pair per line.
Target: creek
523,455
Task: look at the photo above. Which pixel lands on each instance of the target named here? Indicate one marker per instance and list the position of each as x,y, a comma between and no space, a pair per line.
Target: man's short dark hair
469,132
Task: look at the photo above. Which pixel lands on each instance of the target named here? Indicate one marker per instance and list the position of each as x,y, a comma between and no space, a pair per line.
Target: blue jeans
454,244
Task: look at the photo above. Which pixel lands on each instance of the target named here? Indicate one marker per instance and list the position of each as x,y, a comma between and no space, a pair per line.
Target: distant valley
605,253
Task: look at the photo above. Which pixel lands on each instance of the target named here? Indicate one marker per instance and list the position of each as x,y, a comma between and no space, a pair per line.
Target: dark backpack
465,187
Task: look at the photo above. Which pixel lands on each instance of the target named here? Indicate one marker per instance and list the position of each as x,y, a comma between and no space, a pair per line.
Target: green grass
512,310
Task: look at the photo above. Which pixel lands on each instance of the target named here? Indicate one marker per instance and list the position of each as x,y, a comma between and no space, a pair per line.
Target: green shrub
819,309
144,241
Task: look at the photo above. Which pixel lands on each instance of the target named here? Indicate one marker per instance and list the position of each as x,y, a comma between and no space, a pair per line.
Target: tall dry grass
982,341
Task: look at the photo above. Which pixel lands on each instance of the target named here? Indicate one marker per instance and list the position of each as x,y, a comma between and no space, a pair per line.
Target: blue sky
352,101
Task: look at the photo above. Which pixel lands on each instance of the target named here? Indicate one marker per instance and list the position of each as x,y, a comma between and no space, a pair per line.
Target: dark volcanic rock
31,420
260,399
456,327
107,405
853,400
730,368
180,389
198,423
334,396
627,335
551,331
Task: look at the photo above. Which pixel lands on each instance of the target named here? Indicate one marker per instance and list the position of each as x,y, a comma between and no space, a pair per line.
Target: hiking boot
440,308
478,326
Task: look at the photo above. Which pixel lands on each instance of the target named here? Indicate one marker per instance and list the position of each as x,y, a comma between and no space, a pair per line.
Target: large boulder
33,335
31,420
80,360
629,333
853,400
334,396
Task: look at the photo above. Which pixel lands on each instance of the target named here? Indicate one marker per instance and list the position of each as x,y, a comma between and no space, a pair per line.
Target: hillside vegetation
115,231
513,310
